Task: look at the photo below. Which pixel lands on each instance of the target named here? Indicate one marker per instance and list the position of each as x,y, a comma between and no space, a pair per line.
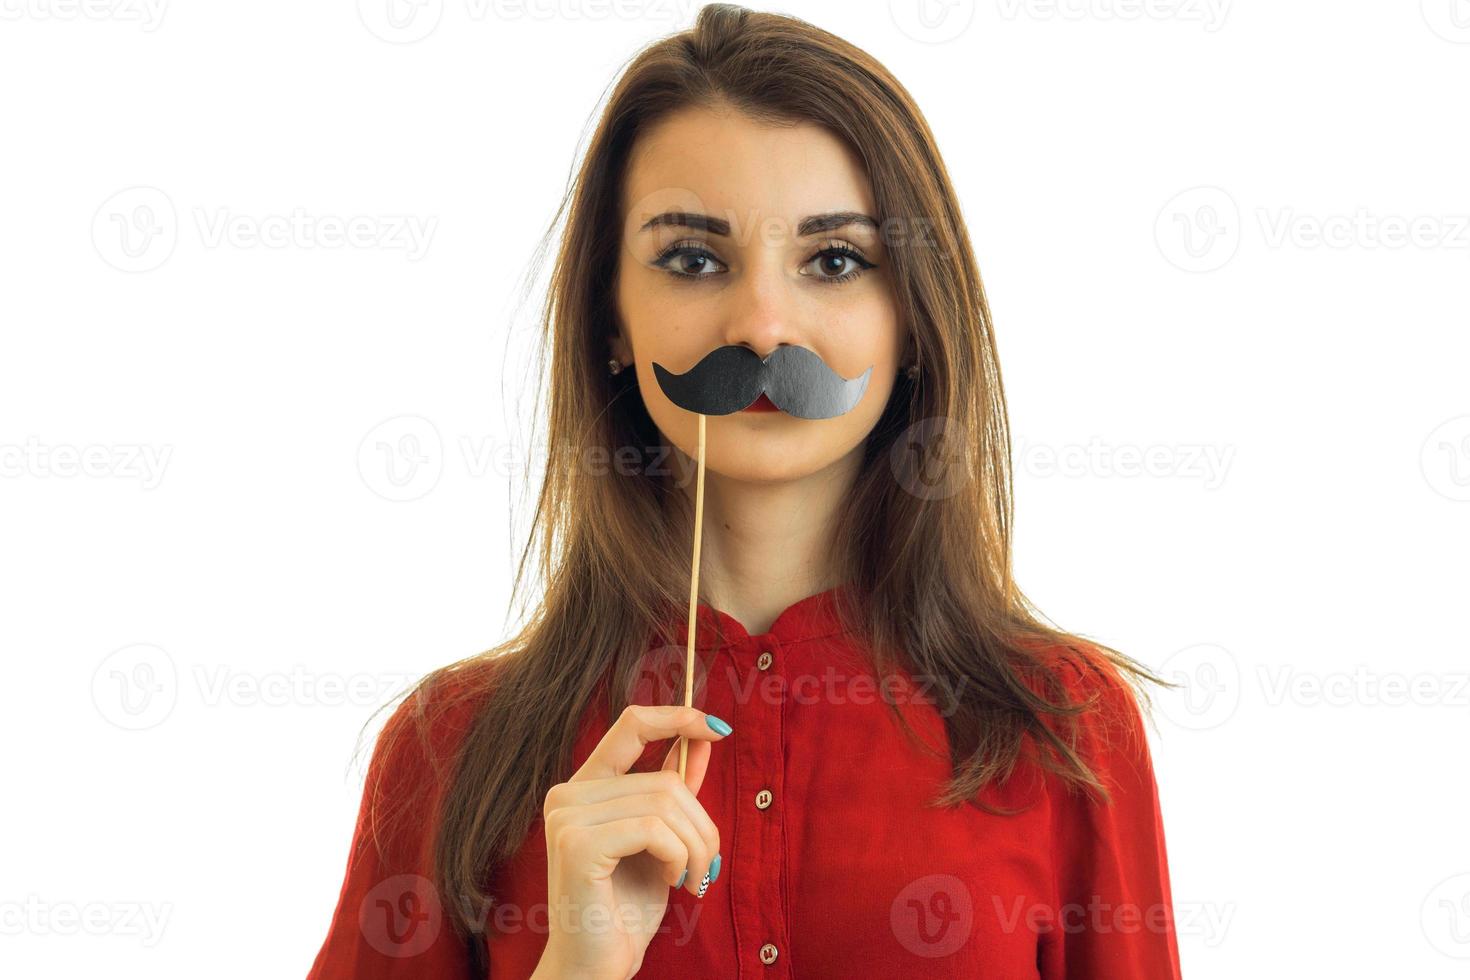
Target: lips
761,404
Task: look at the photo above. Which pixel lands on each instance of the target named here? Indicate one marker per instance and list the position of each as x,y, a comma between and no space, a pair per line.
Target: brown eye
688,260
833,264
838,263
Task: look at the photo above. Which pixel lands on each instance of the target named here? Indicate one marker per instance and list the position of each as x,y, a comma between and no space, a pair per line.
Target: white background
1191,218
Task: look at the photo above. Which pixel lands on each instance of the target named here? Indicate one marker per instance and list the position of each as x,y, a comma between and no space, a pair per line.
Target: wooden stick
693,593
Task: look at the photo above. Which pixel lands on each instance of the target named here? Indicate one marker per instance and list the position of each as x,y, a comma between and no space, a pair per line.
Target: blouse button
768,953
763,800
764,663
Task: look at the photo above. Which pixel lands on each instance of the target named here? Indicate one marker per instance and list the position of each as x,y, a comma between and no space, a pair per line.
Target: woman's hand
616,842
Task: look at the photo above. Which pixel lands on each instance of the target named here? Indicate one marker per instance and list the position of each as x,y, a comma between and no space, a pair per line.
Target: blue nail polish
714,869
680,882
719,724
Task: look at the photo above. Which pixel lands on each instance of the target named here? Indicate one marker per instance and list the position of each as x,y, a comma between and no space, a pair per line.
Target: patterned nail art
703,885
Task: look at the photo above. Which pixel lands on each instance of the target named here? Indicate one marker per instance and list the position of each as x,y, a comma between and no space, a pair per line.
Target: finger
699,851
573,796
638,725
598,849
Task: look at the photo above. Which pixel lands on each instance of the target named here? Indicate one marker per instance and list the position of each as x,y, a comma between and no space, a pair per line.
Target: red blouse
832,864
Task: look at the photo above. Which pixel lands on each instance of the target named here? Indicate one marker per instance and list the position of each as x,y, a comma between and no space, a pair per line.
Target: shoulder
416,751
441,705
1109,730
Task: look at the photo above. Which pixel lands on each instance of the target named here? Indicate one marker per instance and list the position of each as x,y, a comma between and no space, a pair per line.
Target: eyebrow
811,225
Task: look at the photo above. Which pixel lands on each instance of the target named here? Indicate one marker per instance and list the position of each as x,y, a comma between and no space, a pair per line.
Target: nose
762,313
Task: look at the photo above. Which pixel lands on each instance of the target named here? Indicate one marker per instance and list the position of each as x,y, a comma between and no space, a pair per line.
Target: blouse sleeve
390,921
1113,915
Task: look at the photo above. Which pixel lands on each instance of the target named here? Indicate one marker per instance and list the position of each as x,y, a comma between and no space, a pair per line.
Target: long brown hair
933,568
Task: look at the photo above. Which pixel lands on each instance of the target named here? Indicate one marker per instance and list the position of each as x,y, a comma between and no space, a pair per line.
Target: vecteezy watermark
403,458
147,14
932,21
408,233
1204,462
1445,917
1362,686
935,915
137,230
117,461
222,685
1210,691
407,21
932,916
1097,915
1450,19
1362,229
138,687
1200,229
933,459
658,678
1445,459
1213,687
34,916
1210,14
401,916
676,920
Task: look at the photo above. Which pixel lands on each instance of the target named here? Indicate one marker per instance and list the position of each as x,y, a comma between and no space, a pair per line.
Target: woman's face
754,277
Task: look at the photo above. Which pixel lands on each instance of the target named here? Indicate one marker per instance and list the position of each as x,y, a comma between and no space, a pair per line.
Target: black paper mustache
731,378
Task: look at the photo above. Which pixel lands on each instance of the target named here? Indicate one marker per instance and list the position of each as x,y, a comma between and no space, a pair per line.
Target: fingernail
680,882
714,870
703,886
719,724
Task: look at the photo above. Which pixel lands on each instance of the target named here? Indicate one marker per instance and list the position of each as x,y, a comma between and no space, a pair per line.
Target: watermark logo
300,229
1362,229
139,686
402,458
1199,229
1210,14
1450,19
1362,687
37,917
126,461
401,916
1445,459
1208,464
400,21
136,229
1445,917
659,676
147,14
407,21
1211,689
933,916
932,21
136,687
931,461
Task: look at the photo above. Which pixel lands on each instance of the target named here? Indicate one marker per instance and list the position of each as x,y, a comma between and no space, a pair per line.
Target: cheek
870,341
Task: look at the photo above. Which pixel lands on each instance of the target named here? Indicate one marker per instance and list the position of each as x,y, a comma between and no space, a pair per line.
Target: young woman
894,767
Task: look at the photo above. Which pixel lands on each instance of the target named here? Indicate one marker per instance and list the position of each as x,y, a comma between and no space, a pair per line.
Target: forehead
721,161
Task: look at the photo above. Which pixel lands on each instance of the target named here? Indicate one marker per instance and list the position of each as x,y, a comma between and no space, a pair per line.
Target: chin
767,460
